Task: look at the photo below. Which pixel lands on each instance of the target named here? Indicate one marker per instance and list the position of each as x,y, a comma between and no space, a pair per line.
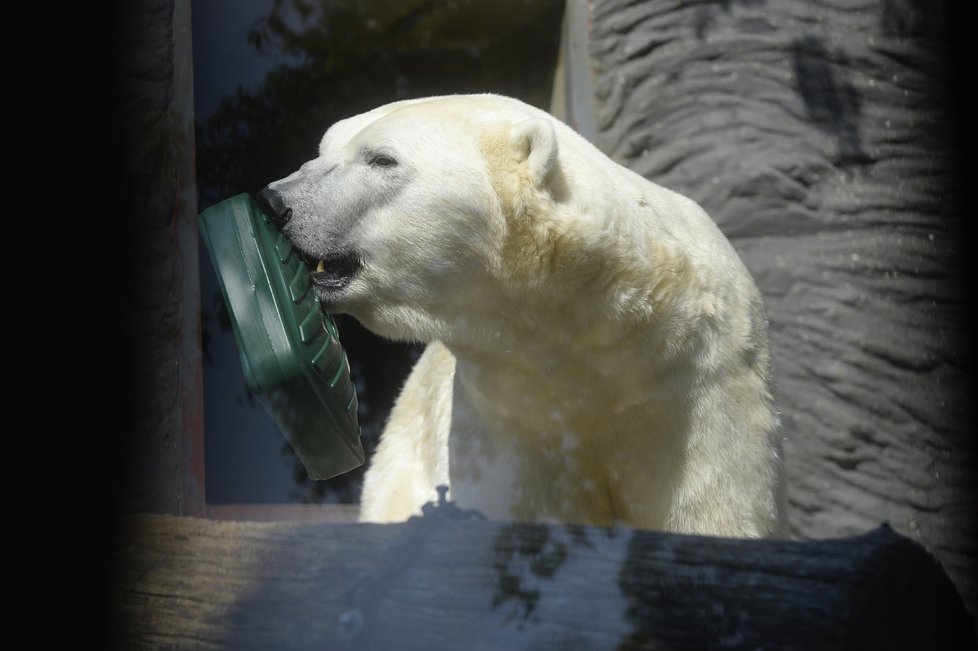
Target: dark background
66,291
66,296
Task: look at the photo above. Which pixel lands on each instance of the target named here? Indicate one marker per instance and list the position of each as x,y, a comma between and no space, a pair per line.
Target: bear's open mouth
335,271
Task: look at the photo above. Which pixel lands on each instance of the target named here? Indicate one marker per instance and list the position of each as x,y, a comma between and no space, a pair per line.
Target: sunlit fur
598,352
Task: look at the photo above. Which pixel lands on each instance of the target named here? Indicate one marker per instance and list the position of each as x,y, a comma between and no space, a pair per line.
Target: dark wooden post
164,441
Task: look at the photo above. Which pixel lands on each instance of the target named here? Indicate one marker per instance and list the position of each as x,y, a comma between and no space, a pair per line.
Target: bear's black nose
273,205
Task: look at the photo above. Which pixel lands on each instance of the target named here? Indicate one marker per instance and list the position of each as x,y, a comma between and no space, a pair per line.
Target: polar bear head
408,210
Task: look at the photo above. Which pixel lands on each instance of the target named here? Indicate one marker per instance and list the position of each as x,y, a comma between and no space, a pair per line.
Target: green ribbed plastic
290,349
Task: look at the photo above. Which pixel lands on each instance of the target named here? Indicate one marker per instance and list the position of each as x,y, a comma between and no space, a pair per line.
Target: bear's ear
537,140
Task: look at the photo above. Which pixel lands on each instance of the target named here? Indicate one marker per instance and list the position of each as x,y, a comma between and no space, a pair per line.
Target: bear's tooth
321,266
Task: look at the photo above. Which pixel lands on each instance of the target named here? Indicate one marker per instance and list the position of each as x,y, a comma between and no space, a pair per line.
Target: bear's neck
582,325
534,372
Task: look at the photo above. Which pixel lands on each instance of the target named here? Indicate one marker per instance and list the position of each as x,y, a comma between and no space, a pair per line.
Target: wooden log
441,583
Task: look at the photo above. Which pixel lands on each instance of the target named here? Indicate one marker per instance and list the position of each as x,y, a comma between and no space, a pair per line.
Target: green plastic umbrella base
290,349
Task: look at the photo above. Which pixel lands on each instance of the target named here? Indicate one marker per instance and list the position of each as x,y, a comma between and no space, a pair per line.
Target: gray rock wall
817,135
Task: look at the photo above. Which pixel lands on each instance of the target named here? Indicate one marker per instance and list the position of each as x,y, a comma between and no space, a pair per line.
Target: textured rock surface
816,135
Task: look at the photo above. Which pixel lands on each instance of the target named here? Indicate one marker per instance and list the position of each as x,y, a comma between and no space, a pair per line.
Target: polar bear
597,351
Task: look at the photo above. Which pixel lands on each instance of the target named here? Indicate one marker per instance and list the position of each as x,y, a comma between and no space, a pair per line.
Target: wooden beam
442,583
332,513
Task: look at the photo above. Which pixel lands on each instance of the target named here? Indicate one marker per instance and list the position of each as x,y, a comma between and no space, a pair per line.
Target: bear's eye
382,160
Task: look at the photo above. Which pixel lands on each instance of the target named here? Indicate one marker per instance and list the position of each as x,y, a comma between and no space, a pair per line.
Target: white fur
598,351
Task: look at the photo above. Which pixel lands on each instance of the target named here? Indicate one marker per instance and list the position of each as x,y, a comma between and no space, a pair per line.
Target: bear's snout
274,206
